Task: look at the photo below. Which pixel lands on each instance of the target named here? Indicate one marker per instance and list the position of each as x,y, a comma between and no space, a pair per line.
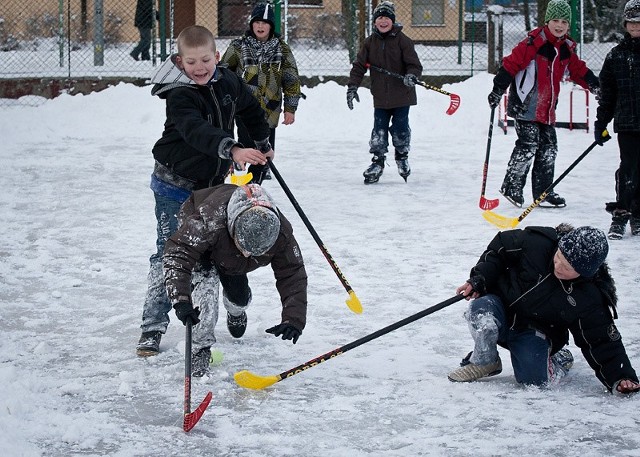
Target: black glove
478,284
598,132
352,93
288,331
410,80
495,96
186,313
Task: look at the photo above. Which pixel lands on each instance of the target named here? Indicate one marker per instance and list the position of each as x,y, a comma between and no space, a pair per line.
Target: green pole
460,22
162,11
574,19
277,11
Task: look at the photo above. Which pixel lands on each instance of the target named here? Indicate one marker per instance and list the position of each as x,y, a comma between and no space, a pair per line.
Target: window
427,12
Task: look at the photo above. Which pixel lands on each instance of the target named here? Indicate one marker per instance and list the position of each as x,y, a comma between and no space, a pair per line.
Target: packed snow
78,228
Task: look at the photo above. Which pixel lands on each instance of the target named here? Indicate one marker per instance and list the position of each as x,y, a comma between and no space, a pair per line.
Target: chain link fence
94,39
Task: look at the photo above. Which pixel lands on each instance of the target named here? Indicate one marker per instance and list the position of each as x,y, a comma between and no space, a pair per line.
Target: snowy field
78,228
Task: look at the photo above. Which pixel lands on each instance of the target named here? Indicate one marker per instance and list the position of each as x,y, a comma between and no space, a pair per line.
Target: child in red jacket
534,70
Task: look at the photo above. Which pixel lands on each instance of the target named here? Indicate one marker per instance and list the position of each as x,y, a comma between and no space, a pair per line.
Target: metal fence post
98,34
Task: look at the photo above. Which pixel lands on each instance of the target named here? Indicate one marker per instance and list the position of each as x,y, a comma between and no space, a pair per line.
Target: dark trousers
399,130
628,174
142,48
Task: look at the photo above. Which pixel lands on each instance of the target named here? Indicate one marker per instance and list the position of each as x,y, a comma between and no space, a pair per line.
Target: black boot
149,344
618,224
635,225
373,173
237,325
402,161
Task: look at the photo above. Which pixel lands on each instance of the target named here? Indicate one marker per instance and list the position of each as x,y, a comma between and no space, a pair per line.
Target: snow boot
635,225
200,362
553,200
469,372
514,197
237,324
373,173
149,344
618,225
402,161
561,363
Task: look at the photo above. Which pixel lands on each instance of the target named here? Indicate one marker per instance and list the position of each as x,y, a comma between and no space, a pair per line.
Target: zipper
551,82
540,281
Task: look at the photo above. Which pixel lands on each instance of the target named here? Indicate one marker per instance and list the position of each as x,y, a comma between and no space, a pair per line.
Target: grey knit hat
631,12
585,248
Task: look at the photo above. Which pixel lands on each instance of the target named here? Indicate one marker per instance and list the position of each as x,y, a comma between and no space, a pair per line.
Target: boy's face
383,24
558,27
198,63
261,30
633,28
562,269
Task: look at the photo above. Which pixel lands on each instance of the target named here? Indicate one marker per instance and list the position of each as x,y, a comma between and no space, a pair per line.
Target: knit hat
585,248
386,9
263,12
253,220
558,9
631,12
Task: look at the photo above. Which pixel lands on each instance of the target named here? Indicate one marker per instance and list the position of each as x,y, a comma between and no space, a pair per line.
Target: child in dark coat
534,70
389,49
620,101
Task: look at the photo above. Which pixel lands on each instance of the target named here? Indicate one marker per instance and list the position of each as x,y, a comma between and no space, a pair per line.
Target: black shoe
200,362
145,57
553,200
373,173
618,225
404,169
515,198
635,225
237,324
149,344
134,55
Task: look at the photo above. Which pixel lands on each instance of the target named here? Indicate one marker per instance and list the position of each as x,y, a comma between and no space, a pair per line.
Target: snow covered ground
78,228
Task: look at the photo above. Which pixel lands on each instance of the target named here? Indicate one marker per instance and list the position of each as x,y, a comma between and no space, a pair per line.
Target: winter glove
478,285
599,134
288,331
186,313
410,80
352,93
495,96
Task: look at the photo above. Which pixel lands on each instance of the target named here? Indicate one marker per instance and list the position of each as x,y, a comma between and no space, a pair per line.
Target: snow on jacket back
620,86
394,52
203,236
198,132
270,71
518,267
534,70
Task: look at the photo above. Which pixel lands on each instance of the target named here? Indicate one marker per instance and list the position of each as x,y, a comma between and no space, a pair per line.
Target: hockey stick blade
499,221
487,204
454,105
191,419
353,302
250,380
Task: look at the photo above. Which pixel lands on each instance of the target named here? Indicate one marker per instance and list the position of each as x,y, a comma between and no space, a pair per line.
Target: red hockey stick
191,418
484,203
454,103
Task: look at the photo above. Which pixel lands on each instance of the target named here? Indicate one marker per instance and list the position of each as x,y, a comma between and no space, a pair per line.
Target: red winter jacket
534,70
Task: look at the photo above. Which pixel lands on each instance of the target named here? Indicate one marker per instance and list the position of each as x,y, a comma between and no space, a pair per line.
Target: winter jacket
620,87
144,14
198,133
395,52
203,236
534,70
269,69
518,267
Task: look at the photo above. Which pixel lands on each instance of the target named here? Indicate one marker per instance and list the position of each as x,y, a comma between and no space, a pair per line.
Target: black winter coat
200,125
620,87
144,14
518,267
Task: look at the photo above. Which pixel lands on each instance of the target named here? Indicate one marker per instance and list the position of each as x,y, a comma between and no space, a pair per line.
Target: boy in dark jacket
620,101
531,288
226,232
534,70
195,151
389,49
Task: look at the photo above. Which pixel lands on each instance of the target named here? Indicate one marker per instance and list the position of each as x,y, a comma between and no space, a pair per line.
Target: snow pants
628,174
399,130
536,143
529,348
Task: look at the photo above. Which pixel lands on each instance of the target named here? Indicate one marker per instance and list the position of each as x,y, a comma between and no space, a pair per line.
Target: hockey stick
484,203
510,222
454,103
353,302
191,418
250,380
